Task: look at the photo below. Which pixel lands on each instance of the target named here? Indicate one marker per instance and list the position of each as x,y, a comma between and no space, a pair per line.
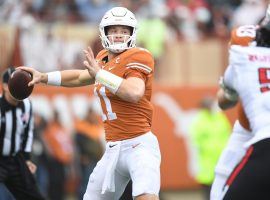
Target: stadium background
189,40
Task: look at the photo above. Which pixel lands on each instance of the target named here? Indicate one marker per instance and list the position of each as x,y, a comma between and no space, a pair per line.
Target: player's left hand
90,63
32,167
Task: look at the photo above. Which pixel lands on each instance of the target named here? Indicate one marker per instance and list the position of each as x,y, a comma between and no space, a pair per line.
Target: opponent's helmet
263,35
118,16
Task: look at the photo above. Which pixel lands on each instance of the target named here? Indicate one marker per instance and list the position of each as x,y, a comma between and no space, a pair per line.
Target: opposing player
123,77
250,179
234,151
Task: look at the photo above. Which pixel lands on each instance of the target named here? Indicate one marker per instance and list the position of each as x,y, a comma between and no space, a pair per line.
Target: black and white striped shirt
16,128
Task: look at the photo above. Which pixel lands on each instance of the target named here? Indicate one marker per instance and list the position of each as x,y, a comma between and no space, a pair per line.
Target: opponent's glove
229,93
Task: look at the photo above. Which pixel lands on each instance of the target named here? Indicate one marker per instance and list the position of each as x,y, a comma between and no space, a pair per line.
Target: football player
235,150
247,74
123,75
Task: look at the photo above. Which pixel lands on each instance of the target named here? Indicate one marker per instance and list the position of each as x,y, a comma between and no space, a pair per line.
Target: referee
16,137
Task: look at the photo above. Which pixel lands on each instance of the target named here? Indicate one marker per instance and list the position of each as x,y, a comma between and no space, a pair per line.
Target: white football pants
137,159
230,157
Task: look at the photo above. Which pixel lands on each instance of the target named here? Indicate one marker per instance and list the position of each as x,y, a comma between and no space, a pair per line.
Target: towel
112,151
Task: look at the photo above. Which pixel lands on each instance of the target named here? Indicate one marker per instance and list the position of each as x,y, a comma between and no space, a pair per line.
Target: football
18,84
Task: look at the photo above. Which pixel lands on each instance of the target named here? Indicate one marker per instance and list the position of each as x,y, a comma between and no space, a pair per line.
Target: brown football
18,84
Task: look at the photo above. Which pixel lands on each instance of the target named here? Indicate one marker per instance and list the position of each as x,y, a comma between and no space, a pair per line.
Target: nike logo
135,145
110,68
112,145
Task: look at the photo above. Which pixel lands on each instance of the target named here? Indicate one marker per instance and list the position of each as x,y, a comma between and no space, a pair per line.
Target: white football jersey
249,74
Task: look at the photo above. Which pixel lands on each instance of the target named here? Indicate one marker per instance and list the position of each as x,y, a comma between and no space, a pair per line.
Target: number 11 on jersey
107,114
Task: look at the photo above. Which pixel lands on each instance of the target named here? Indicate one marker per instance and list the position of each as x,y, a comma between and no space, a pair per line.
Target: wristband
54,78
109,80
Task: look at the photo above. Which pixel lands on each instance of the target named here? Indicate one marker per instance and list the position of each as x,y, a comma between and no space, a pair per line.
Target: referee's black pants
250,180
15,174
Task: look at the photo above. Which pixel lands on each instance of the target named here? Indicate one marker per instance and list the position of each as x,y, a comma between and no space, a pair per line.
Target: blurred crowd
65,159
189,19
160,21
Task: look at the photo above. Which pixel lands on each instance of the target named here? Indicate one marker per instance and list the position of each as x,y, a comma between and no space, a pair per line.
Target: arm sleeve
229,81
237,57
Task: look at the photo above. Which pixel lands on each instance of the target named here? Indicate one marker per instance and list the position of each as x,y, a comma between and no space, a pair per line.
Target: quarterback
123,75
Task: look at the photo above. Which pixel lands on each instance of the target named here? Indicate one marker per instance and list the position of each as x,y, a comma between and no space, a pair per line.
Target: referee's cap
7,73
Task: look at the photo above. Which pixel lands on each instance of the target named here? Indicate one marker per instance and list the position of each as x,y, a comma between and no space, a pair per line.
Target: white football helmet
118,16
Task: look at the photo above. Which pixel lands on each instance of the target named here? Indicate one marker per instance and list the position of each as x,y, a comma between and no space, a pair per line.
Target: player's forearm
68,78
